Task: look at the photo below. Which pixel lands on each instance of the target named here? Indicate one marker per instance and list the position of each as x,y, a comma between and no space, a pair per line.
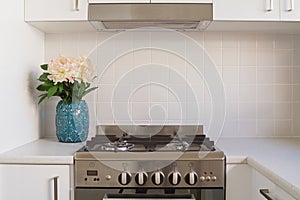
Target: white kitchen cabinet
257,10
244,182
238,182
150,1
56,10
119,1
181,1
290,10
34,182
246,10
259,181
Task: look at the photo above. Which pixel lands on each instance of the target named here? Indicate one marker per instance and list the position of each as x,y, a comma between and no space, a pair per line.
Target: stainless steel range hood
131,16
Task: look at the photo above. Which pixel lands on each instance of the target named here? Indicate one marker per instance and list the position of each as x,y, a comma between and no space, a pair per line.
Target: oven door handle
265,193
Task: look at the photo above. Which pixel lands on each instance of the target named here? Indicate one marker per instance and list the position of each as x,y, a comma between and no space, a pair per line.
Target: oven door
157,194
146,197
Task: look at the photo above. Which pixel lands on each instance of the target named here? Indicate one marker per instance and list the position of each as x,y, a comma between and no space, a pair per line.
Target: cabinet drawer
34,182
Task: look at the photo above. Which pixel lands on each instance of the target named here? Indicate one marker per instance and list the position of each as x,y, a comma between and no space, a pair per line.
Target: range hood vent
131,16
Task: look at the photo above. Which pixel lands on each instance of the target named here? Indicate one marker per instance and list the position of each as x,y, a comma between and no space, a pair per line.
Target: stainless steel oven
164,166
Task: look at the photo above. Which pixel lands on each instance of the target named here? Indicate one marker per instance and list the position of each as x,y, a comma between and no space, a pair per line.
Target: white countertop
278,159
43,151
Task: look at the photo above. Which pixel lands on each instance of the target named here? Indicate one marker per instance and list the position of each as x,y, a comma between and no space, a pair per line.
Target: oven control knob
158,178
174,178
191,178
208,178
202,178
124,178
141,178
214,178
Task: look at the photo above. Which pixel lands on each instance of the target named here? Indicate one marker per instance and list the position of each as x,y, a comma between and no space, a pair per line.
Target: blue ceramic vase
72,121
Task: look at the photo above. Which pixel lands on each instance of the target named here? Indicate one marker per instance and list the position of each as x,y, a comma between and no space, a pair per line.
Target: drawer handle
291,5
55,191
77,5
269,5
265,193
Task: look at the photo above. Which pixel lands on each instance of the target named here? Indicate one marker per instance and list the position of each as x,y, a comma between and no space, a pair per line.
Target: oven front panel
210,173
159,194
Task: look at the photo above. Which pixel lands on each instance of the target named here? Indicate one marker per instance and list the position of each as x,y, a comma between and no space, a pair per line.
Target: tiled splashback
260,72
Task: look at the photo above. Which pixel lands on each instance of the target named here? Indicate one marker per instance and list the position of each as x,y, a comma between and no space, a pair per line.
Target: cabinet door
290,10
246,10
56,10
119,1
238,182
259,181
181,1
34,182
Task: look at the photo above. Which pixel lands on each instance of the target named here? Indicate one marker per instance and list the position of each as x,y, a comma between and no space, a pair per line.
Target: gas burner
116,146
177,146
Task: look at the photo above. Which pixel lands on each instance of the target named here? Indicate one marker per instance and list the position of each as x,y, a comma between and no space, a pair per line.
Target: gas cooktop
102,143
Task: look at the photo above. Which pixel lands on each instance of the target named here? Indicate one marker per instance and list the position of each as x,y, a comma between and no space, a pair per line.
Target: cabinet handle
77,5
265,193
55,191
269,5
291,5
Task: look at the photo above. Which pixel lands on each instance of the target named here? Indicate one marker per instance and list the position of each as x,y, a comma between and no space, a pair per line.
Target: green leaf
81,89
43,88
52,90
44,66
42,97
87,85
42,94
44,77
60,88
88,91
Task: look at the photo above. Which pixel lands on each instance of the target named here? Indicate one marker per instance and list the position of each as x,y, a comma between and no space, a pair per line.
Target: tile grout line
256,83
292,81
273,86
238,86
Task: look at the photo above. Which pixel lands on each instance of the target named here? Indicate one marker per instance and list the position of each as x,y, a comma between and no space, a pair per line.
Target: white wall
21,50
260,74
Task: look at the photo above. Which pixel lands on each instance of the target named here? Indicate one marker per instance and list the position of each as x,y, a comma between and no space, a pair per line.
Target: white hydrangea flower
65,69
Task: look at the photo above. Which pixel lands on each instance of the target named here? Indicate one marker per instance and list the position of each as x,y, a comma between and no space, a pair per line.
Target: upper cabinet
56,10
60,16
181,1
290,10
257,10
150,1
76,10
246,10
119,1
